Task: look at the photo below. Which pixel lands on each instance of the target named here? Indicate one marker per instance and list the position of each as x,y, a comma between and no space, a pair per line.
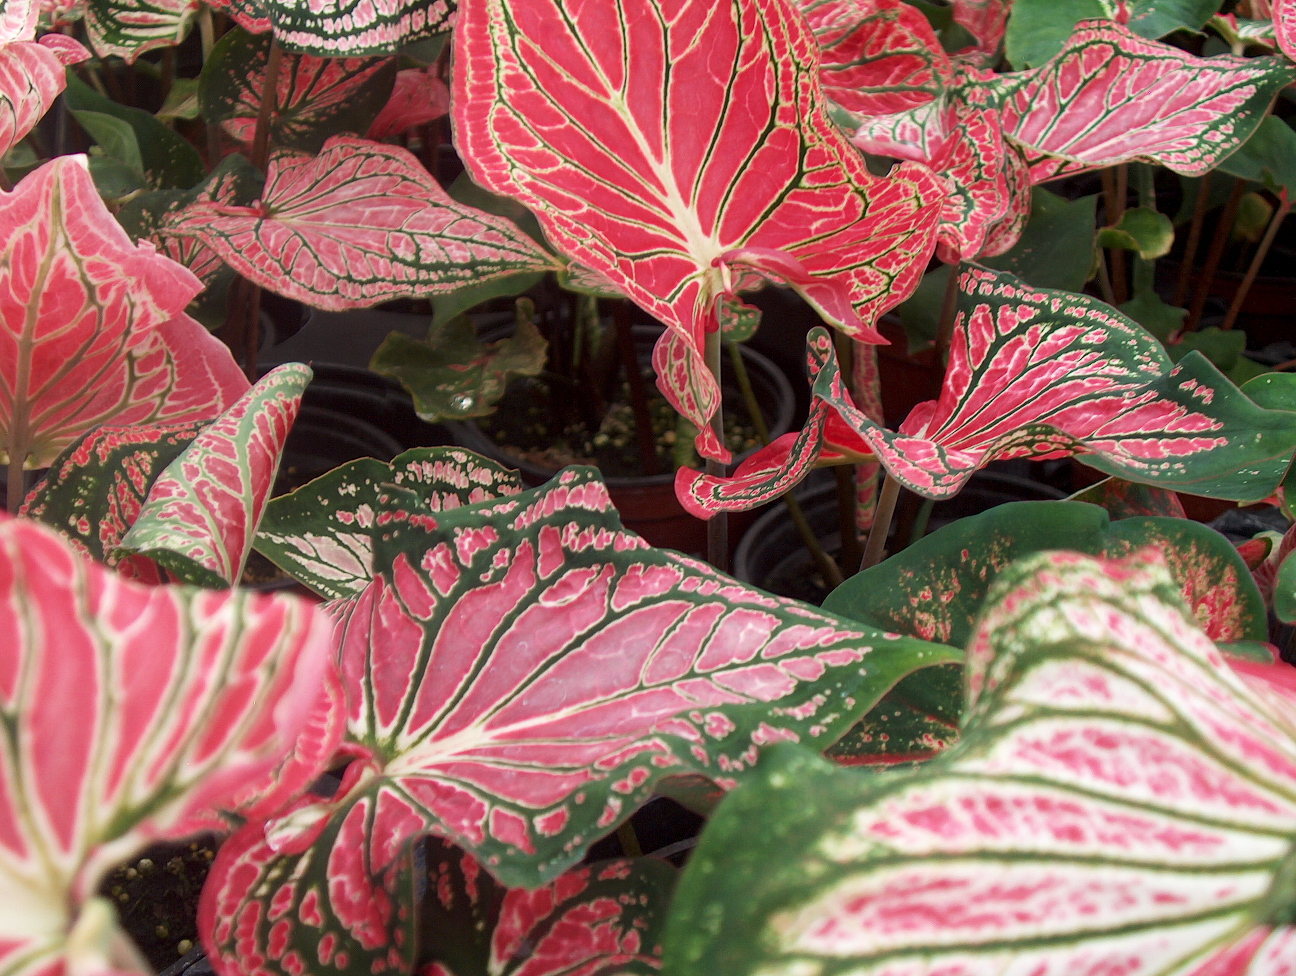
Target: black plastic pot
773,557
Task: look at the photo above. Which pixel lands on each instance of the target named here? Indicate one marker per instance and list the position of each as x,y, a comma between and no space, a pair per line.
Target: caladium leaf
452,375
343,28
1123,499
1284,26
92,329
321,534
131,714
128,28
1120,801
201,515
985,20
18,19
1159,104
358,224
1032,373
936,588
914,721
31,77
525,674
605,917
314,97
743,177
419,97
96,488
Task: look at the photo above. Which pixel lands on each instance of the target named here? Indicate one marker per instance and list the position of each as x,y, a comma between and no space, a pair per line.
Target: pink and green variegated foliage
1120,801
524,673
671,166
1123,499
128,28
985,20
419,97
1033,373
96,488
358,224
1284,26
342,28
93,325
602,918
201,514
322,533
31,72
131,713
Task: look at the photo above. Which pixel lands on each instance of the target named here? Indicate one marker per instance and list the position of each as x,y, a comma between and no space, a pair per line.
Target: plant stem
207,35
1235,307
15,484
948,310
1194,239
847,512
830,570
1207,277
1104,282
269,99
629,840
877,539
638,395
718,524
1119,268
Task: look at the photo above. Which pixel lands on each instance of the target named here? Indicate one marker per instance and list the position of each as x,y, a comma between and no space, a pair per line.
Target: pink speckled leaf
1284,26
1109,96
201,515
419,97
524,674
1120,801
878,57
131,713
660,161
1032,373
93,331
358,224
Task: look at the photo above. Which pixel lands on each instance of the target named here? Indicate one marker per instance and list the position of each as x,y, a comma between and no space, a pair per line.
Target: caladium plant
31,71
1033,373
1121,798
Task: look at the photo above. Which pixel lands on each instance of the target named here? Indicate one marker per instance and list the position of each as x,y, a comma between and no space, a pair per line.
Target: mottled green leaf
914,721
1268,157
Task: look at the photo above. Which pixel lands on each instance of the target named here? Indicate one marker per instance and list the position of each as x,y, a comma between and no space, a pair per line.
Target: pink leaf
18,20
67,49
31,77
132,713
1284,22
93,331
420,97
985,20
561,105
358,224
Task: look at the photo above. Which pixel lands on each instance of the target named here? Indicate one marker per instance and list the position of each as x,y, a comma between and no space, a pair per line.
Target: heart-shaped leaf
525,674
452,375
1143,230
201,514
667,165
1032,373
128,28
342,28
1120,801
92,326
935,589
131,714
356,225
314,97
321,534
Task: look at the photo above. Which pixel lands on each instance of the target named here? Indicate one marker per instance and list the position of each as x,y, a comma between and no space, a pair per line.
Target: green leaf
1124,499
1056,248
1141,229
181,101
1268,157
920,313
453,304
1157,18
935,588
1284,602
465,191
1037,29
168,160
1220,347
738,320
1151,311
320,534
452,374
114,136
113,178
914,721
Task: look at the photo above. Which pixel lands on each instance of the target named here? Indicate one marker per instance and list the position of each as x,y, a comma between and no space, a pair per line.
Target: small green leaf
1220,347
453,375
453,304
1253,215
1141,229
738,320
920,313
113,178
114,136
1151,311
181,101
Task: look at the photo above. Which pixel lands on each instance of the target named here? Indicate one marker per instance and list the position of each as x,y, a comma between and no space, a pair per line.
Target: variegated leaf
985,20
93,332
96,488
914,721
1121,801
201,515
667,165
18,20
525,673
131,713
879,57
321,534
128,28
31,77
1159,104
1284,26
935,589
314,97
343,28
419,97
358,224
1123,499
1033,373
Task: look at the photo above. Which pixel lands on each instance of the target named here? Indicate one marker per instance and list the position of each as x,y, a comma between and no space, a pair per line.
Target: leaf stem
717,525
269,98
829,569
1207,276
948,310
1104,282
14,485
1235,307
876,546
1194,239
629,840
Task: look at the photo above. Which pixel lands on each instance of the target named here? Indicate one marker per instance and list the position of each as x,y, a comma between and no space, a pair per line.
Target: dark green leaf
1056,248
